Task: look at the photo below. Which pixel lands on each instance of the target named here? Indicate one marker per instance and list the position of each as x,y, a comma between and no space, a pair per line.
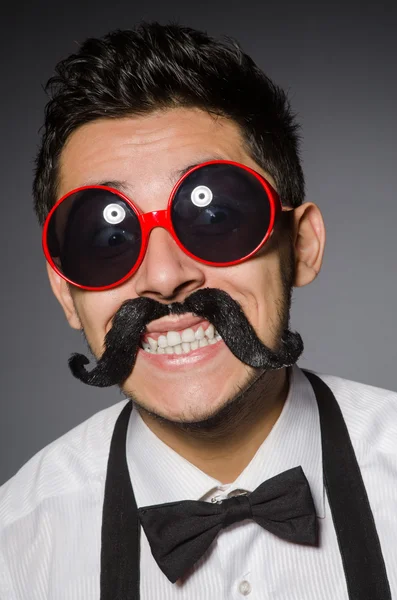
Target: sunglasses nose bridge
156,218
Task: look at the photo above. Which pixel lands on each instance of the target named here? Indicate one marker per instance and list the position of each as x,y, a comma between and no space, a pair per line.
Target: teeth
173,338
210,331
162,341
188,335
199,333
153,344
175,342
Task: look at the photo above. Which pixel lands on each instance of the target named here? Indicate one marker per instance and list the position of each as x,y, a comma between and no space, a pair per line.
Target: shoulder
370,412
65,466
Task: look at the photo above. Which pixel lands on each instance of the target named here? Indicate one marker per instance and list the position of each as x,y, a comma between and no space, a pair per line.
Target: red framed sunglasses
219,213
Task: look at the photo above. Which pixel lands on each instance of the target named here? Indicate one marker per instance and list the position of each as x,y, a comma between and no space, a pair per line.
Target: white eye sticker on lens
114,214
201,196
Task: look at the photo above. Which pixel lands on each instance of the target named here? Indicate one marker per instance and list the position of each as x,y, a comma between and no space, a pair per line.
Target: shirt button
244,588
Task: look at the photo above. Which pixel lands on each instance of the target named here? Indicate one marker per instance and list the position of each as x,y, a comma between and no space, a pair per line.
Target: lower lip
176,361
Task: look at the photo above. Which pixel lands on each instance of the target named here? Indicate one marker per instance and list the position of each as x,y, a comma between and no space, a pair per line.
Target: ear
62,293
309,243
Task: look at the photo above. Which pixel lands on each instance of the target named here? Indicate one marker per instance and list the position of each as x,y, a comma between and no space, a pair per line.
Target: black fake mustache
122,341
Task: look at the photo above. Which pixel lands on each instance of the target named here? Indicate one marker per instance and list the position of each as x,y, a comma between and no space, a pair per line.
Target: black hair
135,72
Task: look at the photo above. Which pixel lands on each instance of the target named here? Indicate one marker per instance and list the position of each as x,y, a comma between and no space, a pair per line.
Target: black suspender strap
120,551
352,516
358,539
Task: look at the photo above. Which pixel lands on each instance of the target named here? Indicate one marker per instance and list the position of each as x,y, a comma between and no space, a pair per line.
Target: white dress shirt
51,510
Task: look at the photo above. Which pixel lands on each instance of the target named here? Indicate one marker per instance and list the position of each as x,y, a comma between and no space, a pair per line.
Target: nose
166,272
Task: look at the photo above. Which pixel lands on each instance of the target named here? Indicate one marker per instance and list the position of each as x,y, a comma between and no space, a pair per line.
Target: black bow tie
179,533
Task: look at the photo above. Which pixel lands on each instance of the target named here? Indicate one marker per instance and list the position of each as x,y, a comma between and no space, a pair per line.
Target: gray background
338,62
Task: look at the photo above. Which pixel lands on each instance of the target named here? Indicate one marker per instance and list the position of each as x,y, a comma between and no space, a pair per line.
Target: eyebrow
121,186
181,172
125,187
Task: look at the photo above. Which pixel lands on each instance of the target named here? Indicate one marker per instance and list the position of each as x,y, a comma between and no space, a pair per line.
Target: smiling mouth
180,342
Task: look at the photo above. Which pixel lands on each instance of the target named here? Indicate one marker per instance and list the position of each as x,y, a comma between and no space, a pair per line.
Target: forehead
146,153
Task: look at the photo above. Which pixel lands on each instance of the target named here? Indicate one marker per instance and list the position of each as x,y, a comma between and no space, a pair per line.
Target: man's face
146,154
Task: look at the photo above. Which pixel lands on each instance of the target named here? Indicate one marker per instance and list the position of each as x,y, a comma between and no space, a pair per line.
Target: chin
187,391
182,404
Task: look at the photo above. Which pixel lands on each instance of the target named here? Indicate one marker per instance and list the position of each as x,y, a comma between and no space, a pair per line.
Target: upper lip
173,323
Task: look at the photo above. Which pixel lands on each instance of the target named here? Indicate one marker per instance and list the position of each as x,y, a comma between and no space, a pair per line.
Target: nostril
184,288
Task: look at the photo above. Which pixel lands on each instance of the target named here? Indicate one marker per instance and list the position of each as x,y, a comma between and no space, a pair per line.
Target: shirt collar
161,475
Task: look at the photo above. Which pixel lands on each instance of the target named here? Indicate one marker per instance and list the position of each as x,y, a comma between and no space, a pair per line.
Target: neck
224,450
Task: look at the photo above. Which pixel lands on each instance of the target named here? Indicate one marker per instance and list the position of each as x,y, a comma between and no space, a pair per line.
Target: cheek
257,286
96,310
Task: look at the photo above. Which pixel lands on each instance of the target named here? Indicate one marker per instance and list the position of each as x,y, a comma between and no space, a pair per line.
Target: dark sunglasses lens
220,213
94,237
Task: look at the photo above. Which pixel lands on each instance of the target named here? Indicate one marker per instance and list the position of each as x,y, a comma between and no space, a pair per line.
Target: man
171,194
